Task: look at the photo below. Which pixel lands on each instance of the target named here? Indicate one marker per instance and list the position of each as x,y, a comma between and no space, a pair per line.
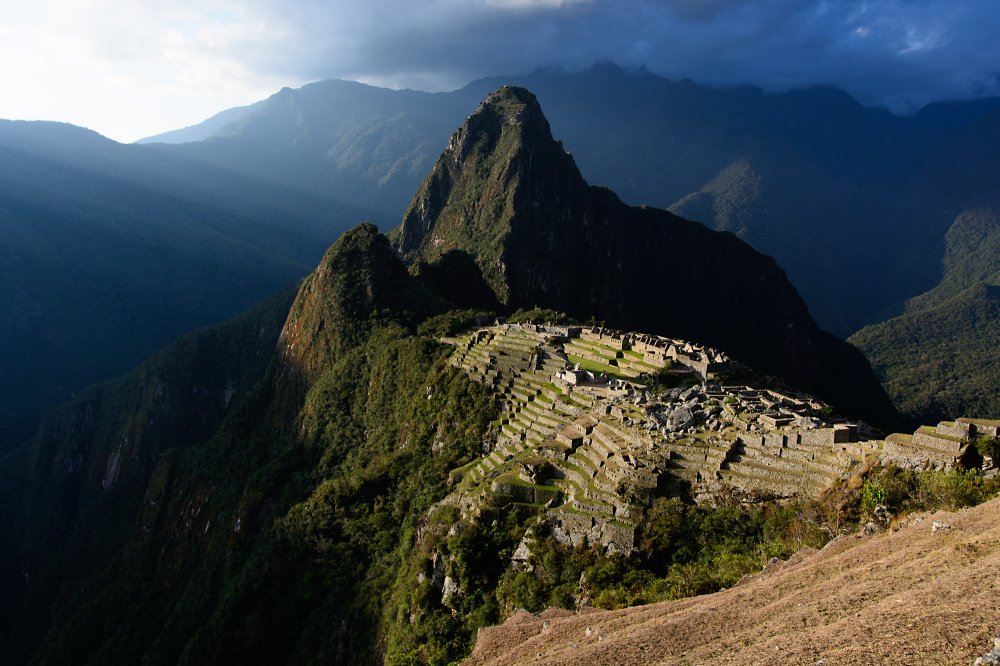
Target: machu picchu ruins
596,422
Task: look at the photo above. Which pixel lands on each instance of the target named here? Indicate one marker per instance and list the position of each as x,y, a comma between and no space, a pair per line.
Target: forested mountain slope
942,360
193,511
939,356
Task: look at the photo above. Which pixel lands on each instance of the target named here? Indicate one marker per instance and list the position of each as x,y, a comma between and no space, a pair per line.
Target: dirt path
915,596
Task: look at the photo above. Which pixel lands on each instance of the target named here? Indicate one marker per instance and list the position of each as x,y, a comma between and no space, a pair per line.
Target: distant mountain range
110,251
811,177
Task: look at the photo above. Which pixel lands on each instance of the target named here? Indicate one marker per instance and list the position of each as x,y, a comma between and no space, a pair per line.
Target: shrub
988,448
872,495
449,323
539,316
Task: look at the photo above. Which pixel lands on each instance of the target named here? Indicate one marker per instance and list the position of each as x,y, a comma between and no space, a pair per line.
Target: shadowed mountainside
241,492
939,356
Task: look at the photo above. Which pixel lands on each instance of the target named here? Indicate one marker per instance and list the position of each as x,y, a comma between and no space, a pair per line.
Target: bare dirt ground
915,596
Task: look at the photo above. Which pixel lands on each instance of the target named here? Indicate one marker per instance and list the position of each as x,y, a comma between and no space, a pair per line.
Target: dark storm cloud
901,53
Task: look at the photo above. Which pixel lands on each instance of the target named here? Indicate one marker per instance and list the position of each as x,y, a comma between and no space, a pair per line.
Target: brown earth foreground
915,596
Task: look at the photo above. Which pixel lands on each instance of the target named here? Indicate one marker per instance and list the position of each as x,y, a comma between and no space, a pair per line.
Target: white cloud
129,69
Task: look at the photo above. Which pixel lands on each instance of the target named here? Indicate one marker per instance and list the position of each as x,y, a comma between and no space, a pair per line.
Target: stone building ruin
589,432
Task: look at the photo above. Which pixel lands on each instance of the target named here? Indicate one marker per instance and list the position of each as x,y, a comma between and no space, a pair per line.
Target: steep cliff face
506,193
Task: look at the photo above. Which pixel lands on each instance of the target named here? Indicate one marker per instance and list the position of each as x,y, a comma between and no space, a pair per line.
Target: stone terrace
582,433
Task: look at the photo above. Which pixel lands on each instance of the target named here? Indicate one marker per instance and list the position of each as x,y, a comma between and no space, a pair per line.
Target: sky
137,68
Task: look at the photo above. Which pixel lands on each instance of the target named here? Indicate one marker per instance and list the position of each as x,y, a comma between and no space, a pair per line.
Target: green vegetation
596,366
473,197
942,362
906,491
318,507
293,509
74,524
683,550
242,499
971,256
940,359
450,323
988,447
872,495
539,316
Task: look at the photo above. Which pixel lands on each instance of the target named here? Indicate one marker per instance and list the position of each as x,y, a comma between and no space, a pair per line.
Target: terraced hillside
590,429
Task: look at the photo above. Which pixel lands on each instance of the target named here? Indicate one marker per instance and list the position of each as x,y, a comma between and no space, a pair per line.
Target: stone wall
527,494
983,427
960,429
584,530
929,441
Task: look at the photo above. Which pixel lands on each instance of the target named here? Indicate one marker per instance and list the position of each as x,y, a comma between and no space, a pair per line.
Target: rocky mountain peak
476,192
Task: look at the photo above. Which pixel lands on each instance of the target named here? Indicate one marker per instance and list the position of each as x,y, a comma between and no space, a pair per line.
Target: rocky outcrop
993,656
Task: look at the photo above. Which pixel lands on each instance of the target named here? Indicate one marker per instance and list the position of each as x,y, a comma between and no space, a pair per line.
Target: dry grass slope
912,596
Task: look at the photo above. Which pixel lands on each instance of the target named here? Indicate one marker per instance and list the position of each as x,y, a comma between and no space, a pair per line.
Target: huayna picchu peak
529,396
506,195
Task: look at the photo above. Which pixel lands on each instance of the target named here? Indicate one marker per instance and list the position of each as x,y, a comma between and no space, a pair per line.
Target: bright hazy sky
132,69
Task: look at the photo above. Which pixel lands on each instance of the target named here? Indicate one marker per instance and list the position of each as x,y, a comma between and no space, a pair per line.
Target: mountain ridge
204,129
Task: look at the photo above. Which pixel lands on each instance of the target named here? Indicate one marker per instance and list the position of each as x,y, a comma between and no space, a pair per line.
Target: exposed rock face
437,572
507,194
993,656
